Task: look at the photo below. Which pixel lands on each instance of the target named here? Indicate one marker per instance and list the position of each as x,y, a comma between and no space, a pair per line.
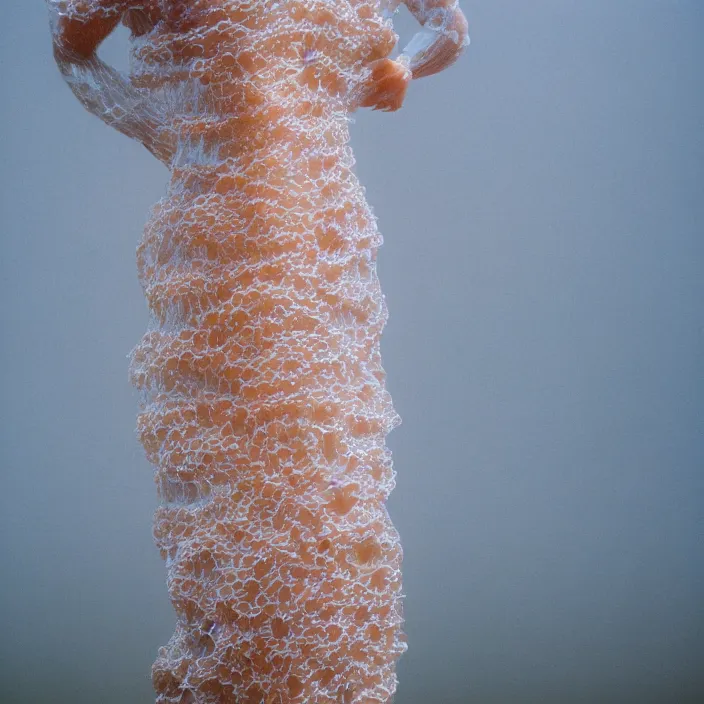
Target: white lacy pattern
264,407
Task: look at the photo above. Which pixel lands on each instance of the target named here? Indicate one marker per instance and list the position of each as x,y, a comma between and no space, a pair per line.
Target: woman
264,407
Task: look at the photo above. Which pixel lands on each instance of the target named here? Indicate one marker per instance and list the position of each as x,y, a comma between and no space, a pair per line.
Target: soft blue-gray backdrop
543,208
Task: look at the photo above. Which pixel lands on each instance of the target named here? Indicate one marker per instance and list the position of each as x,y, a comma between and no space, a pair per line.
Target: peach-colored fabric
264,405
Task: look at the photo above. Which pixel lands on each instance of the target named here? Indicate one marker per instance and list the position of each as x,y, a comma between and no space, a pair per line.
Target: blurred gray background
543,209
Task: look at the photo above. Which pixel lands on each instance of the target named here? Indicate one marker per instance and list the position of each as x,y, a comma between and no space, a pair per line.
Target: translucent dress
264,408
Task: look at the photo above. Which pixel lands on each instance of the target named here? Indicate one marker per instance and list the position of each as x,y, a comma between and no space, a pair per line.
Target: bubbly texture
264,408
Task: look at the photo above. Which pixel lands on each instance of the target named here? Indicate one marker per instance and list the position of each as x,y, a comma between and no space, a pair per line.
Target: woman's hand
387,85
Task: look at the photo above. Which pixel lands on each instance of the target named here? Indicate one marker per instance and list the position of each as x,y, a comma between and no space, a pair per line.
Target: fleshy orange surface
264,405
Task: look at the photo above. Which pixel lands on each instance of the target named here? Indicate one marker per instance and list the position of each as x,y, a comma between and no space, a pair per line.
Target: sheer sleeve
78,29
442,39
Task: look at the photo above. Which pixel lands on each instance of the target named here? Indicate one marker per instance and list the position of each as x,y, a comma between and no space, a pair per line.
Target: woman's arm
437,46
78,29
442,39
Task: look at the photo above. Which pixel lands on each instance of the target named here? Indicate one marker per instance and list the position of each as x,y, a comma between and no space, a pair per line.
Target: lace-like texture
264,406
